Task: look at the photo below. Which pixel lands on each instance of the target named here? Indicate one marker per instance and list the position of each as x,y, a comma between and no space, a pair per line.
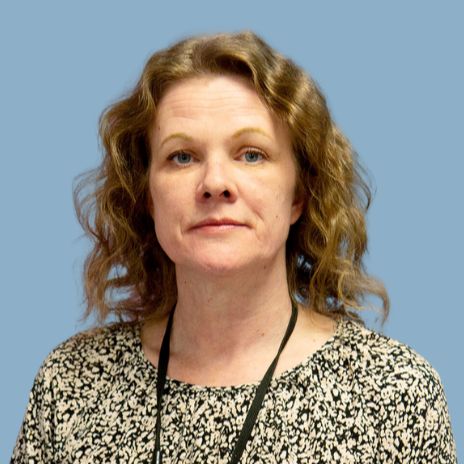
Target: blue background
392,73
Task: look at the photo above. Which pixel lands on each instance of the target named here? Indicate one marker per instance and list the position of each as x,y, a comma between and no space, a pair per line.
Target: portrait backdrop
393,76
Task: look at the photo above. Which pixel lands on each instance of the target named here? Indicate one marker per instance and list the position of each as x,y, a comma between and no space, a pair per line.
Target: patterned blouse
361,398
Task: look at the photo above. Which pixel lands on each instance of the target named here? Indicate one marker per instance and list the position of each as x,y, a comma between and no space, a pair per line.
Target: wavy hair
128,274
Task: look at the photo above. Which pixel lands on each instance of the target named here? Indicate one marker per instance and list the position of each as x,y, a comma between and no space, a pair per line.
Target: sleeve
434,440
35,439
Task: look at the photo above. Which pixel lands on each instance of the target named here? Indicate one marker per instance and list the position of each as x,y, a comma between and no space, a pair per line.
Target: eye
180,158
253,156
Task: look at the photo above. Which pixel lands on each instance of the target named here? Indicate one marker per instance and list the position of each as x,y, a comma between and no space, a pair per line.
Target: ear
297,209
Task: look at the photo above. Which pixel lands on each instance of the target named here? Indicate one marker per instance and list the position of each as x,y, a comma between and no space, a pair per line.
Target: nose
216,182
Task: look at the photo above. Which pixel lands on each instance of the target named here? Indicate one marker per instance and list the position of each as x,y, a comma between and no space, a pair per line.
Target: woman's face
222,177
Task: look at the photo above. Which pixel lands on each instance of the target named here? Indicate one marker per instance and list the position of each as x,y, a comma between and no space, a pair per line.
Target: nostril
225,193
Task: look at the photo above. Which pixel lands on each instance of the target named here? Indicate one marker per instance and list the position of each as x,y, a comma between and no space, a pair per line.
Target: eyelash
178,153
255,152
249,150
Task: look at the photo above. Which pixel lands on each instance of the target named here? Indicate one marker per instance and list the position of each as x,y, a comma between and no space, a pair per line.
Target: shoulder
401,393
380,358
95,345
387,369
72,382
89,355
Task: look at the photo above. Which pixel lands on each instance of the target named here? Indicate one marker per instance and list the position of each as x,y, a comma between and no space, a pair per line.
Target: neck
226,331
229,318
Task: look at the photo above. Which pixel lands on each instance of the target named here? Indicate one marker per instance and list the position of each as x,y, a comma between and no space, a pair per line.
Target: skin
222,196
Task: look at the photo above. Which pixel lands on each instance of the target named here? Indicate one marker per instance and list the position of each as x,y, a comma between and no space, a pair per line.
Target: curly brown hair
128,274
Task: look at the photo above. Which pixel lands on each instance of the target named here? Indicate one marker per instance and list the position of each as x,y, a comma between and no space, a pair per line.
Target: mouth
214,225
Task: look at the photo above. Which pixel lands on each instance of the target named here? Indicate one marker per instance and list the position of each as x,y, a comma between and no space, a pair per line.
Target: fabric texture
361,398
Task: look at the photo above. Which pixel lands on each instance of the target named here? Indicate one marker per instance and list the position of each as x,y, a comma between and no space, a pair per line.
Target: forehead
215,102
210,92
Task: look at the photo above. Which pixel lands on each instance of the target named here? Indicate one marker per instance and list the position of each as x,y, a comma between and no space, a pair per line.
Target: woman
229,234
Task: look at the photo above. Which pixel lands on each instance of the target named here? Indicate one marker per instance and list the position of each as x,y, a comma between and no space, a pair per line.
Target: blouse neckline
283,377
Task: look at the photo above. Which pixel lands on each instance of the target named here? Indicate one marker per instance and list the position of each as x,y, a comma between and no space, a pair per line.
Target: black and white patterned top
361,398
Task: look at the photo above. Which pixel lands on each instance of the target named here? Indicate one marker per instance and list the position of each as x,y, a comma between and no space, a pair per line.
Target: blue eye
181,158
253,156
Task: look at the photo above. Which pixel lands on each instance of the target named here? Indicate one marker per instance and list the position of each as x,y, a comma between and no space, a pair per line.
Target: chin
229,265
224,268
223,261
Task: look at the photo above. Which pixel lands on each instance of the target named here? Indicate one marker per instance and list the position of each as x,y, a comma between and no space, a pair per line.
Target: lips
218,223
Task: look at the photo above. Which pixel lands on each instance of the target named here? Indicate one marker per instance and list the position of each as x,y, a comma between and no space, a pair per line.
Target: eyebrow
246,130
236,135
176,135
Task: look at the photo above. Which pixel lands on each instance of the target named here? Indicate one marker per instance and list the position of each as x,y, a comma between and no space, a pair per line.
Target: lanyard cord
254,408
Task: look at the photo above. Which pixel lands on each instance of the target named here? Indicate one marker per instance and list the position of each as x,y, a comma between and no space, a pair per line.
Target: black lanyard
254,408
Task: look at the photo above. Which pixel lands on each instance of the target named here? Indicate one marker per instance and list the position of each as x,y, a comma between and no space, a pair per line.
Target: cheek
170,209
272,204
162,194
165,226
162,209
